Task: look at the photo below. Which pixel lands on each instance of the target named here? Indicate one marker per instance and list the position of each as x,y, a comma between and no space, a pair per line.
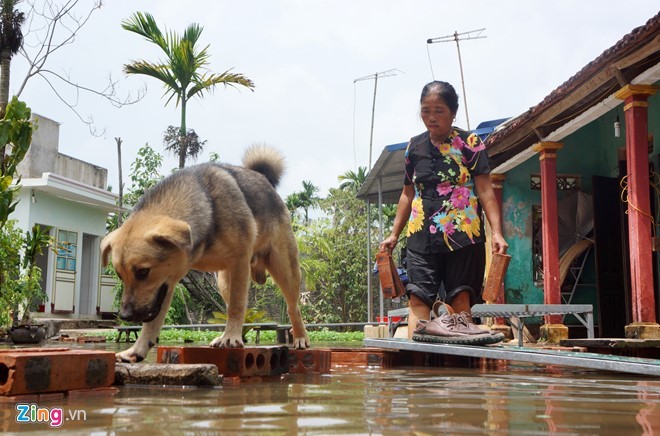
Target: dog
209,217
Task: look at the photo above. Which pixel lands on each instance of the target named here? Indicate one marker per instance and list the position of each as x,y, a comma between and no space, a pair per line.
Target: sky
304,57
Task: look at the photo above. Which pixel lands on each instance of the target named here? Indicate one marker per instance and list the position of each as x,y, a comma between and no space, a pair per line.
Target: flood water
522,399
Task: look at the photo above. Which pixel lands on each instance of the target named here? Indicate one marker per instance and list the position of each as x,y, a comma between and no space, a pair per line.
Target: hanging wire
654,182
428,53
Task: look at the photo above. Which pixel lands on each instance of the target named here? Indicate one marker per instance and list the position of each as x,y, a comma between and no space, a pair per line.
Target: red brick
241,362
277,360
363,357
312,360
42,370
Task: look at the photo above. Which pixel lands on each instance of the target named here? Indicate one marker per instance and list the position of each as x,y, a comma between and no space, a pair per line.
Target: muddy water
520,400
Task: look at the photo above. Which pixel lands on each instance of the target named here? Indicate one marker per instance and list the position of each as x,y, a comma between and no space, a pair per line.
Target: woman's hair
444,90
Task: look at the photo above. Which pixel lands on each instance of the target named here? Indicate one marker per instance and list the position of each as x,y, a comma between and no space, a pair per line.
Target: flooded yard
523,399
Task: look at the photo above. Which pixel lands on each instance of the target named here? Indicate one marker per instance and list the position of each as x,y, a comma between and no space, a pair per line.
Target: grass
206,336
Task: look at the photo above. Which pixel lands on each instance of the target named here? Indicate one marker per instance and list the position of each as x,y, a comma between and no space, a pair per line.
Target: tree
293,203
181,73
50,26
353,180
308,198
190,143
145,173
333,262
11,39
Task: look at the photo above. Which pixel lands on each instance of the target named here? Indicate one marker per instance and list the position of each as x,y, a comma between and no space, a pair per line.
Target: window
67,250
565,182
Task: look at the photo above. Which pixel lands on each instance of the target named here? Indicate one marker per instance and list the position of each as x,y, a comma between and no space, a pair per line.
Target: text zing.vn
54,416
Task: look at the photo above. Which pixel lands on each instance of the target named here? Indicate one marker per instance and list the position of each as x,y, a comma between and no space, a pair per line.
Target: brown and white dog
209,217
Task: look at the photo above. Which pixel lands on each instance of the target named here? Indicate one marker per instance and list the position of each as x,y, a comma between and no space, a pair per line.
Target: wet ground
523,399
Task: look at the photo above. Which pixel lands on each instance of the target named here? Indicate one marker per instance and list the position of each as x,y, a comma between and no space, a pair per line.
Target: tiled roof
508,140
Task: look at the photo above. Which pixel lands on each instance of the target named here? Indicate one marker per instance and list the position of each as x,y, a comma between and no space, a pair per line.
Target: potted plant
21,282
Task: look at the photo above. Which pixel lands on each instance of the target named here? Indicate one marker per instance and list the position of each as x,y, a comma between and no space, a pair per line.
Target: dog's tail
266,160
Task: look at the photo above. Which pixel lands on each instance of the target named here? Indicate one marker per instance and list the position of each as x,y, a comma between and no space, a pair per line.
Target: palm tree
352,180
293,203
308,198
11,39
181,71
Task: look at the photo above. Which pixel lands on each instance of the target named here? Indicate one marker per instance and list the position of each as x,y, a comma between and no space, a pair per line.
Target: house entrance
88,274
612,260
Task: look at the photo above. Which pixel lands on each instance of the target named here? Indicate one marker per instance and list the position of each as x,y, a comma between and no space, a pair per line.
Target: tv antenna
472,34
375,76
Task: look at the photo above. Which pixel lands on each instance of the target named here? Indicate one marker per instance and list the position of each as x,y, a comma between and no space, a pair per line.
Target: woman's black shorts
445,275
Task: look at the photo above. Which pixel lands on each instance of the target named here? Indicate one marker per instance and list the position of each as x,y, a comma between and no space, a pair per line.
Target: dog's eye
141,273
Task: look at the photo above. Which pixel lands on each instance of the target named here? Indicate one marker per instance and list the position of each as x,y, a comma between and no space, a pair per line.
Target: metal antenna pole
373,113
375,77
472,34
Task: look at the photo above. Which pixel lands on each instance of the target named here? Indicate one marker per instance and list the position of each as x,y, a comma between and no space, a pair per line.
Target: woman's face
437,116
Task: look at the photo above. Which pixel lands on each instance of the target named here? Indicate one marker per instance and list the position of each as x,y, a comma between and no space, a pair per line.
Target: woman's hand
389,243
498,243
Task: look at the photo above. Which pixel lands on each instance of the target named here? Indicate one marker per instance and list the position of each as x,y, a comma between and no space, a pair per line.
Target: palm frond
144,24
208,82
157,71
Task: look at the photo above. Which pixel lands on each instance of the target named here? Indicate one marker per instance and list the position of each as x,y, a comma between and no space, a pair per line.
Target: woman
446,187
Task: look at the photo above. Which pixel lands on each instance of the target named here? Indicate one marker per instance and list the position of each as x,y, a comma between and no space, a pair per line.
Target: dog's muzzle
129,313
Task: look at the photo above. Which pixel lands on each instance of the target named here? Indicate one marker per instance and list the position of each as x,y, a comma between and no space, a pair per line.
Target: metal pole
472,34
375,76
373,113
460,64
369,284
380,232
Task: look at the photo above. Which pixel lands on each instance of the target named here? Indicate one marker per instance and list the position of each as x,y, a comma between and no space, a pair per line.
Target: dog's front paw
301,343
226,341
129,356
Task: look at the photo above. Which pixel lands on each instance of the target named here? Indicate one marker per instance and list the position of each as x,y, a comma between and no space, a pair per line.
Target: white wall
86,220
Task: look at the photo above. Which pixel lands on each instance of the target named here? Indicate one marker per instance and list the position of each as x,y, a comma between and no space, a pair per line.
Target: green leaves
15,139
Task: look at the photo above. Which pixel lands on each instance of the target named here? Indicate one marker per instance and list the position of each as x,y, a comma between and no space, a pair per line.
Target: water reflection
518,400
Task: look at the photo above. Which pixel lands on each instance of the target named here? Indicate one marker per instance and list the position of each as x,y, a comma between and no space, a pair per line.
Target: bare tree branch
51,25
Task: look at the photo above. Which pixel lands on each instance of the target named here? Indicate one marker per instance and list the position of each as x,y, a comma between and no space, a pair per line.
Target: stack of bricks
312,360
231,362
36,374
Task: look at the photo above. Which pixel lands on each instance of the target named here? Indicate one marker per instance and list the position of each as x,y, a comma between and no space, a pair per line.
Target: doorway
88,275
612,260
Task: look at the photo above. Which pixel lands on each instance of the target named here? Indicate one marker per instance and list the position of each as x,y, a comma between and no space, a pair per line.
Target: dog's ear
171,233
106,247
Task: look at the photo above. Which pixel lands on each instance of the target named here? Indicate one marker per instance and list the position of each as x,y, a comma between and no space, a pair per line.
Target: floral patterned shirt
446,214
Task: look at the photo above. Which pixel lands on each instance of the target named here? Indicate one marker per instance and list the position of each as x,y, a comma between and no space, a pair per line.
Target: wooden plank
635,365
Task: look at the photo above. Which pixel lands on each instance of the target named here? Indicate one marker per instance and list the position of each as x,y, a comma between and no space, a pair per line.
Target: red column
497,181
639,207
551,285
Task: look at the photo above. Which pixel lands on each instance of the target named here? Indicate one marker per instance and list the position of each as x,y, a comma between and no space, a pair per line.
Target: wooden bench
583,312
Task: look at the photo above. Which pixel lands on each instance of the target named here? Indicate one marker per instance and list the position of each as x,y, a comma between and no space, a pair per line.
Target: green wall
591,150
